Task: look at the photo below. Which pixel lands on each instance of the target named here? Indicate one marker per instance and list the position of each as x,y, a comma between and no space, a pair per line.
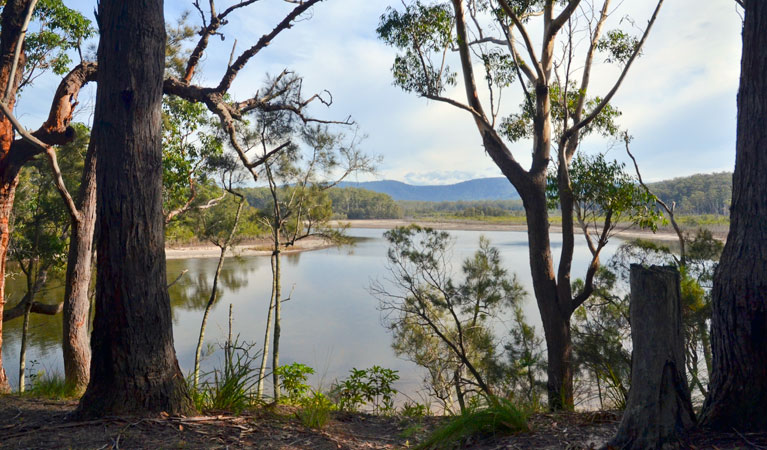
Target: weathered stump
658,410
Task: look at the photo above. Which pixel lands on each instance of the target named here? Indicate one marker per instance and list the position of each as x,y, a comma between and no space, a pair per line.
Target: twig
750,444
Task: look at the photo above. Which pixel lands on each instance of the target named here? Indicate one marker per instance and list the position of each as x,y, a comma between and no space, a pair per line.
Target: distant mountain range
497,188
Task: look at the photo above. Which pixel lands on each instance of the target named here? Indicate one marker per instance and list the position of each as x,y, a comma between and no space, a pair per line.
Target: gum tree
738,389
492,37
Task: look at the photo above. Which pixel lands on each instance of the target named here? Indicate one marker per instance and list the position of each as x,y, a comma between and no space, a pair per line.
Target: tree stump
658,410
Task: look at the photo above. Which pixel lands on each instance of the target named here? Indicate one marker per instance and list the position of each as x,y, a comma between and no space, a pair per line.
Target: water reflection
331,322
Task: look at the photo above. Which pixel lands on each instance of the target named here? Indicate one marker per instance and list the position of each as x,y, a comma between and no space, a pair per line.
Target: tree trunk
555,317
208,307
265,351
7,192
658,410
23,350
134,368
738,389
13,15
76,310
277,318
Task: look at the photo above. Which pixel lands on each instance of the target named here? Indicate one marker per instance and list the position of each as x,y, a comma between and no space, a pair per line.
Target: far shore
263,247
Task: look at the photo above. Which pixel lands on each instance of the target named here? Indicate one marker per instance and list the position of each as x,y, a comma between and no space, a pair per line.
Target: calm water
331,322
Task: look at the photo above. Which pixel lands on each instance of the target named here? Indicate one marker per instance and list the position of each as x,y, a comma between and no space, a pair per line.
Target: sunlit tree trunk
76,309
277,328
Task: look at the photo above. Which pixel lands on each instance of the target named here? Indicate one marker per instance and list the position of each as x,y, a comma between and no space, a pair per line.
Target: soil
30,423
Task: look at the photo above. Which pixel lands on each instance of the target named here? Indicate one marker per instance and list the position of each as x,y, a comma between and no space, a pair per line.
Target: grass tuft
316,411
51,385
501,417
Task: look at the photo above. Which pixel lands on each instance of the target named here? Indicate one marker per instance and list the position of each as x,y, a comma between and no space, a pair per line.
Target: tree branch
593,114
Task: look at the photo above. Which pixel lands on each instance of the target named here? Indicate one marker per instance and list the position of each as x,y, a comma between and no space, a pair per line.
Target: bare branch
593,114
61,186
234,69
525,37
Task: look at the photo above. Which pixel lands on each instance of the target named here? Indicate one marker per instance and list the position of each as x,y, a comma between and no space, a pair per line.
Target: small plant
316,410
293,378
499,417
231,387
414,410
368,386
51,386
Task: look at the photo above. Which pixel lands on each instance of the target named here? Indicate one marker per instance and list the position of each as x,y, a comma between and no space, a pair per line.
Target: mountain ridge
495,188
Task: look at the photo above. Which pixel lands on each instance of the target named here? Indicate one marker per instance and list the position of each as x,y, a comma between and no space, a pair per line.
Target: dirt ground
27,423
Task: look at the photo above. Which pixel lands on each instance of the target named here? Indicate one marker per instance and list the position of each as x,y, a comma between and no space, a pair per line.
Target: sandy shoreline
262,248
484,226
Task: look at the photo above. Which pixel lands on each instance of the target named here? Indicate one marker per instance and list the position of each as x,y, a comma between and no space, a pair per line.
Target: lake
330,323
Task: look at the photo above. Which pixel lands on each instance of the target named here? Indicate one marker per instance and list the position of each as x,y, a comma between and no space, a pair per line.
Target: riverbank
473,225
261,247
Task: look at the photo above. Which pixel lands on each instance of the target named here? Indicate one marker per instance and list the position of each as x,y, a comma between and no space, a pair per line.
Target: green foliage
618,45
54,32
697,194
293,379
604,189
440,325
50,386
229,388
354,203
499,417
316,410
564,104
414,410
424,34
526,363
189,143
372,386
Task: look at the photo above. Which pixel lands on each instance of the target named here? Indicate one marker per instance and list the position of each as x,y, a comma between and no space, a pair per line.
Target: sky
678,101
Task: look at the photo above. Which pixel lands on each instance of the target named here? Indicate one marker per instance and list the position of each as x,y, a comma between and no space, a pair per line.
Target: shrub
368,386
293,378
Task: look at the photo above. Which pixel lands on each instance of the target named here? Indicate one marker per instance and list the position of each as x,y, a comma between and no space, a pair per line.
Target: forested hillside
697,194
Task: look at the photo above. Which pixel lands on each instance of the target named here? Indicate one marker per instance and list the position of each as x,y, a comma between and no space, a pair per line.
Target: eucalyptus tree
313,159
739,320
25,53
493,38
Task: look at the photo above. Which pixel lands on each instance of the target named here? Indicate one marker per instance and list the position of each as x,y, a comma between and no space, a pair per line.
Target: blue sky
678,101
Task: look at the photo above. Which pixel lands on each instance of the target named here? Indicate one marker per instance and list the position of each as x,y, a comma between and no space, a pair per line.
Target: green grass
316,411
52,386
501,417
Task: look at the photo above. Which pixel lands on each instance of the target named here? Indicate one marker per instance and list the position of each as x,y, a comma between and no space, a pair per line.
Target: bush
293,378
499,417
368,386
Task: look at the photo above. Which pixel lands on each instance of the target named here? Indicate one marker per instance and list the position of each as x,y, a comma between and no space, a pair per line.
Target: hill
703,193
480,189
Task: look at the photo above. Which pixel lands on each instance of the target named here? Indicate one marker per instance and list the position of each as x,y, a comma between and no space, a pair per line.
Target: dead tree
659,409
